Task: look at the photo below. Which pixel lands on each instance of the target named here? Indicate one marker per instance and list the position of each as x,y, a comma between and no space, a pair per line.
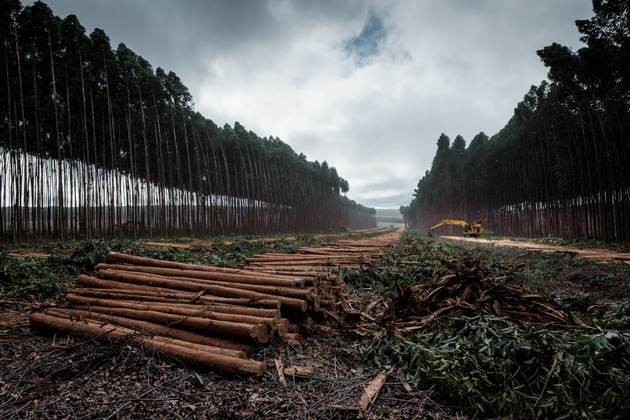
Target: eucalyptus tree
96,140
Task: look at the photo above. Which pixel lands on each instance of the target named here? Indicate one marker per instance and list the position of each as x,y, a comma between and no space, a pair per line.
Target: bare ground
600,255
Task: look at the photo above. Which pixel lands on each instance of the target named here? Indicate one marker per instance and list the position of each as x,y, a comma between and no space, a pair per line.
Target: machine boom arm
450,222
473,230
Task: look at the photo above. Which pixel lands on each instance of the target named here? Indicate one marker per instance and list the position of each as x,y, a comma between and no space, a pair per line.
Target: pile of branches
469,289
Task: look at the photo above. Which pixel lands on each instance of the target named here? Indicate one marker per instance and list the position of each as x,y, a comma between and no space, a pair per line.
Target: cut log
259,333
175,282
199,312
163,295
167,285
108,333
186,308
235,276
156,329
143,334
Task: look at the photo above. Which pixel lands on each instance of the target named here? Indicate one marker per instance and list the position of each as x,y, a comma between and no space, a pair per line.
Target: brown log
93,320
318,268
144,261
257,332
169,285
329,262
209,360
181,304
281,257
162,295
199,312
311,278
292,292
88,281
338,251
282,327
157,329
239,276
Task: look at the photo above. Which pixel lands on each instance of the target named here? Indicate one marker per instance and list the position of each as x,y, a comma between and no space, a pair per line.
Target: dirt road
602,255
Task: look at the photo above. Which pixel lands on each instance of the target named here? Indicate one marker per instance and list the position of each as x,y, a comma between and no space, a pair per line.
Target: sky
365,85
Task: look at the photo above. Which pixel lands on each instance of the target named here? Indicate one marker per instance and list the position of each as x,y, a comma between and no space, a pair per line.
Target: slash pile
468,290
205,316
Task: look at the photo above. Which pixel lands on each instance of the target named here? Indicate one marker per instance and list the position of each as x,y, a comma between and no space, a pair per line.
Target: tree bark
108,333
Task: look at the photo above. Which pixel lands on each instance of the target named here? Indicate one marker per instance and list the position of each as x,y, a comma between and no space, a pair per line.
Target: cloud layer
367,85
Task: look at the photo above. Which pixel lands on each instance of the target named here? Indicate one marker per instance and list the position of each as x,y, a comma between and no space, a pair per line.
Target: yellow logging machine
470,230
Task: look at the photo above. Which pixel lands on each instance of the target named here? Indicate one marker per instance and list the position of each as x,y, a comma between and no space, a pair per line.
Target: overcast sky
366,85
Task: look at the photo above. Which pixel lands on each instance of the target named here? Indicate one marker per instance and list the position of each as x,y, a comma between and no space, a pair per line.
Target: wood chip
372,390
280,368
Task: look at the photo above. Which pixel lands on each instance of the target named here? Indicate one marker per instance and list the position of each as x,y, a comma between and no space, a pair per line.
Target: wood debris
300,371
372,390
280,369
469,289
370,393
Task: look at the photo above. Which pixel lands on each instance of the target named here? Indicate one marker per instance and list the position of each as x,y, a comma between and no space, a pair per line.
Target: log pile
318,265
349,254
207,316
468,289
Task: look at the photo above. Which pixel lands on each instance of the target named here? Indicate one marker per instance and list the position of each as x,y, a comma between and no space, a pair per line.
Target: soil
61,377
600,255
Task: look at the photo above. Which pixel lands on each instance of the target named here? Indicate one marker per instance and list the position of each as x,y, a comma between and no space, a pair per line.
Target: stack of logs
209,316
349,254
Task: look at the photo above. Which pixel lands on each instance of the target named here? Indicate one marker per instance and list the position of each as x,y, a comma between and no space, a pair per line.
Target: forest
559,167
96,143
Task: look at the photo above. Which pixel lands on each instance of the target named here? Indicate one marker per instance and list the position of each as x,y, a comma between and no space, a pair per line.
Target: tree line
95,142
560,165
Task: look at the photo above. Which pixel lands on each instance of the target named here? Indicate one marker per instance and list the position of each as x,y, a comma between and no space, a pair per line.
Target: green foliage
414,261
186,256
381,281
495,367
617,317
87,254
43,278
